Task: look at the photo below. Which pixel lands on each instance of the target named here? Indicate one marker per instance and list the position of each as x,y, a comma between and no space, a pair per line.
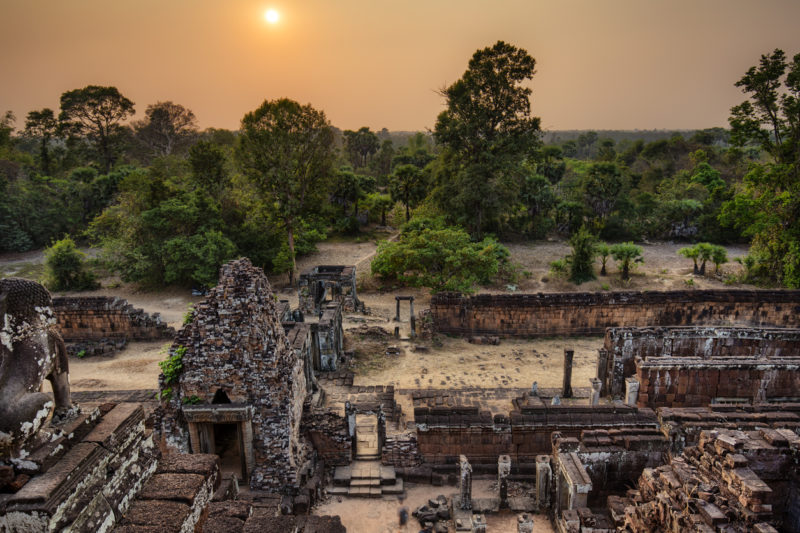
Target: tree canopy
286,150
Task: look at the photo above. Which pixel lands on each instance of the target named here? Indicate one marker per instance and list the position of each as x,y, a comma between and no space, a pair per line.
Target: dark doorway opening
228,447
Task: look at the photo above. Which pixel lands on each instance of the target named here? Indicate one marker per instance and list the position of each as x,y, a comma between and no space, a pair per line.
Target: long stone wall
585,313
623,345
445,433
99,317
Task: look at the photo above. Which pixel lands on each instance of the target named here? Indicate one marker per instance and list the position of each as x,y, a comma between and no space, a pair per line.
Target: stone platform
366,479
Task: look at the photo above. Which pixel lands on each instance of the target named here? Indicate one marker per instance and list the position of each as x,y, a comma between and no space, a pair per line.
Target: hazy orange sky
601,64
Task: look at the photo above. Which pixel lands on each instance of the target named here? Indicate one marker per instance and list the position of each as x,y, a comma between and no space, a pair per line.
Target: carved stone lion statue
31,350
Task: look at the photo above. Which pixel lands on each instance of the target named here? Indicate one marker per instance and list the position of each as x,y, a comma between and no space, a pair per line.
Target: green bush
65,268
430,254
581,267
627,255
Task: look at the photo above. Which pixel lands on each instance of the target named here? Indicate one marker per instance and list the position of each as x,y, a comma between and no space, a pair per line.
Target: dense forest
168,202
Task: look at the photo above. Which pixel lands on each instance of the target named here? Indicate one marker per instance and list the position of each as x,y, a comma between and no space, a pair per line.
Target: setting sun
271,16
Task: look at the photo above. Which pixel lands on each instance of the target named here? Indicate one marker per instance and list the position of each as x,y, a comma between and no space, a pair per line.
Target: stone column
397,315
413,318
544,476
602,368
631,391
503,471
465,483
567,392
596,386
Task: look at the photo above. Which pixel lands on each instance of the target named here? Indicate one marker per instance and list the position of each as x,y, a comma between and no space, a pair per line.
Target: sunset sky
601,64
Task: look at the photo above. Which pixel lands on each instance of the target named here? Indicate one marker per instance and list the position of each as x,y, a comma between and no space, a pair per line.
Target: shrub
443,258
65,268
581,267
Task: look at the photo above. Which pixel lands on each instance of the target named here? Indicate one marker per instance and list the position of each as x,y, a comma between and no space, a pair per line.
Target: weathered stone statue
31,350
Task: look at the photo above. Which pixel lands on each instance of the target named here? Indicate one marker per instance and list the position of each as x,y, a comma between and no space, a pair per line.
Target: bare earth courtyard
452,363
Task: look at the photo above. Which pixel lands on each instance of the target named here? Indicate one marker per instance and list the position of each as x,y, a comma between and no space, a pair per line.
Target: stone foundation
94,318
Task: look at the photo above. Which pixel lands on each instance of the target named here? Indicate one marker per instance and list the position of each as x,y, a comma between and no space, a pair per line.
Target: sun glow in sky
615,64
272,16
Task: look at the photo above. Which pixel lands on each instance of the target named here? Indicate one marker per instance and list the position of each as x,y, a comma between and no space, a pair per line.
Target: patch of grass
32,271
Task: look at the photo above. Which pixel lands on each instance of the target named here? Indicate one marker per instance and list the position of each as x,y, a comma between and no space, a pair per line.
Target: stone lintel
219,413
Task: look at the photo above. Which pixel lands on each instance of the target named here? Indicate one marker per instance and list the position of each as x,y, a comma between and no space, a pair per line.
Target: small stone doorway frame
203,418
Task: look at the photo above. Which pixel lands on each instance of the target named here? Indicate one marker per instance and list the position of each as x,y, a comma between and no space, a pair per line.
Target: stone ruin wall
236,343
100,325
623,345
443,433
584,313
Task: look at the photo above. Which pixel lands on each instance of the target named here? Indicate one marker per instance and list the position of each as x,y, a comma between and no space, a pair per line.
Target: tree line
168,203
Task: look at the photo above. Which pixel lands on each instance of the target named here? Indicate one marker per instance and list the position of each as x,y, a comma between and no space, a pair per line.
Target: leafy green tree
166,128
719,256
705,251
417,151
691,252
408,185
581,260
65,267
96,113
286,150
43,126
381,162
626,254
208,162
602,188
430,254
537,196
487,132
767,206
379,203
360,145
602,250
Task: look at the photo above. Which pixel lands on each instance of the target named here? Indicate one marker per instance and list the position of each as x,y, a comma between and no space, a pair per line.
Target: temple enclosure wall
94,318
585,313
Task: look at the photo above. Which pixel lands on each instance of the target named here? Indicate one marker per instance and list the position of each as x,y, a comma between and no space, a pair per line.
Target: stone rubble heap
732,480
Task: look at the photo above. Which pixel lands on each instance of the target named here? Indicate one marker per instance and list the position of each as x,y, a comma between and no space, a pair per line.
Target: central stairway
365,479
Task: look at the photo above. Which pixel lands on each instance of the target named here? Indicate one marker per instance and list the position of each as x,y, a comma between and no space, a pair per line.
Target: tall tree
286,149
768,206
166,129
407,185
97,113
487,131
360,145
43,126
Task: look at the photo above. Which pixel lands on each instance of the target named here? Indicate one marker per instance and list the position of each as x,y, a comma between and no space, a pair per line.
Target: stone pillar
567,392
631,391
413,319
596,386
535,389
602,369
397,315
246,432
544,476
503,471
465,483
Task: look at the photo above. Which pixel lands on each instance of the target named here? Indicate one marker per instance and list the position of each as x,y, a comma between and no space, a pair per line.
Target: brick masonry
584,313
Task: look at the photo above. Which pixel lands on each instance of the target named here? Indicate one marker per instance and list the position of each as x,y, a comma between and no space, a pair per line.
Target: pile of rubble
732,480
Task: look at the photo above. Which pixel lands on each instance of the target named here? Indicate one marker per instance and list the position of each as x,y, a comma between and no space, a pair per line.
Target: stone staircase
366,479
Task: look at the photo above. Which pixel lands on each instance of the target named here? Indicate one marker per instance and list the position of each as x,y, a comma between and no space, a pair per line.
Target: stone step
338,491
395,489
342,475
373,482
388,475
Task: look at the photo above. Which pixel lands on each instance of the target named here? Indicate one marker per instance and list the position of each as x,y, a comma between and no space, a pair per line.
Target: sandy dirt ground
381,516
453,364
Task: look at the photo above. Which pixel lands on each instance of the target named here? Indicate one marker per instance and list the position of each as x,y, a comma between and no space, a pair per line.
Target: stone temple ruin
691,423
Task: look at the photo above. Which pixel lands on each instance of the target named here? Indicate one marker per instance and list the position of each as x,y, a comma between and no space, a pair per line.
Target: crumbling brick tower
233,364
